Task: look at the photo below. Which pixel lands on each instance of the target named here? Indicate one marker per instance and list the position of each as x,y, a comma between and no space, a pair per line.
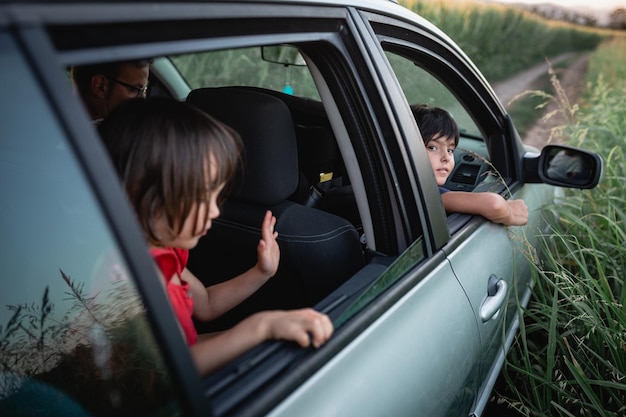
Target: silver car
425,305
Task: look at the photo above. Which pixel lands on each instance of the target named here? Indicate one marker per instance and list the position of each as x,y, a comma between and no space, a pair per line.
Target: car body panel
369,365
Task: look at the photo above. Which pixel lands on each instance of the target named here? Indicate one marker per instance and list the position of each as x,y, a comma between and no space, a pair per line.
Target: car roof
36,10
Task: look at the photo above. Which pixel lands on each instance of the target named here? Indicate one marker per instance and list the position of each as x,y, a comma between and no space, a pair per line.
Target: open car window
472,161
419,86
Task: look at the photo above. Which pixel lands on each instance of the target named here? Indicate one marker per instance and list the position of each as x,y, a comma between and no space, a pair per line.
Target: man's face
109,92
440,150
130,83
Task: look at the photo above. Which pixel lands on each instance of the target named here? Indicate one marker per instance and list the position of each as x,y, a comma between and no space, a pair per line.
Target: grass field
570,356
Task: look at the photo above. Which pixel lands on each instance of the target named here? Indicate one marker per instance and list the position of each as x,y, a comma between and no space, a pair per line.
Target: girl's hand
305,326
268,251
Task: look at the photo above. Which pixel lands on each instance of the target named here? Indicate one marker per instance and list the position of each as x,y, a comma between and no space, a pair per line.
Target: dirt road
571,80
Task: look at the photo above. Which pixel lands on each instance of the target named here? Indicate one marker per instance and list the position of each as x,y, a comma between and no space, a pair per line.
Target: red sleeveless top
172,261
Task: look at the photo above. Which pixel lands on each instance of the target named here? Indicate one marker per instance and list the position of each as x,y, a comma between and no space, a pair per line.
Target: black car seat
323,183
319,250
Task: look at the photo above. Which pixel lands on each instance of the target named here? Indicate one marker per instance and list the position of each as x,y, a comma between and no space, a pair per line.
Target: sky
594,4
599,8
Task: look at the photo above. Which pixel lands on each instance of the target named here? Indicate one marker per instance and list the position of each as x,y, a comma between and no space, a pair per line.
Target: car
425,304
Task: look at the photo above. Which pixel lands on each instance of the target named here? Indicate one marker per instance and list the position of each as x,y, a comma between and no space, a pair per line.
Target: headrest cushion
270,162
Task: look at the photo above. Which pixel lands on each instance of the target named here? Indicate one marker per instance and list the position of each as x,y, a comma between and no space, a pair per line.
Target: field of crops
570,357
503,40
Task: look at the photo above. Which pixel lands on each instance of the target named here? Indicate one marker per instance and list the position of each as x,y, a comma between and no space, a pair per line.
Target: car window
74,337
245,67
391,275
419,86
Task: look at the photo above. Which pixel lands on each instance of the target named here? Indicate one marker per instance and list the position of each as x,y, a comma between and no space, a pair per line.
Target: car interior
270,179
293,166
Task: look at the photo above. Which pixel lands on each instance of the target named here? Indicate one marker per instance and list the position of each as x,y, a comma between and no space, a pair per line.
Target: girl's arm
304,327
491,206
215,300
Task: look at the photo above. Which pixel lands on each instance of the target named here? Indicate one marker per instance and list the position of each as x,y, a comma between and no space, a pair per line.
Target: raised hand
268,251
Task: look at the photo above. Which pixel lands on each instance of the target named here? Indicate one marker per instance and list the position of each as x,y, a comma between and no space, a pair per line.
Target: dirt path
571,80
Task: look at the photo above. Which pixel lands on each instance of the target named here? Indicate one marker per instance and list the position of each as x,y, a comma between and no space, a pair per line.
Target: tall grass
503,40
570,356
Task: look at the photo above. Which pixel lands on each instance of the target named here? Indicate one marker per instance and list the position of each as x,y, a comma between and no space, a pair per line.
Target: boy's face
440,150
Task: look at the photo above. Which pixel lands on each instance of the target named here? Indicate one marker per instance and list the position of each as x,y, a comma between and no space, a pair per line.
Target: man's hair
162,150
83,74
435,121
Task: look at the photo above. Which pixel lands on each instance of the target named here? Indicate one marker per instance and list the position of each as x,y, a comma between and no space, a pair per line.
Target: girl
175,162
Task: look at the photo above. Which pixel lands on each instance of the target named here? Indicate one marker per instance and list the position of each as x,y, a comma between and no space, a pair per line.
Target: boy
441,136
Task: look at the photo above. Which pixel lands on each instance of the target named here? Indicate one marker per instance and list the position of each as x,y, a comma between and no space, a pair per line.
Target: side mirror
564,166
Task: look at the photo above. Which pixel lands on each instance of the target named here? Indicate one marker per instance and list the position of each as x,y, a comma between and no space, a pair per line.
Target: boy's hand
268,251
518,212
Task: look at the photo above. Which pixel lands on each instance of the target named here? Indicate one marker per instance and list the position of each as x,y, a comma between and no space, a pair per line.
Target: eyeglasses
141,91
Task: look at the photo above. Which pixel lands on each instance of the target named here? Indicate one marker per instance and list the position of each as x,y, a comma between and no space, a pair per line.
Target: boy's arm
304,327
491,206
215,300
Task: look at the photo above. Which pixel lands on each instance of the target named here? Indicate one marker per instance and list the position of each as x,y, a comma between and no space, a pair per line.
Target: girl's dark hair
162,150
434,121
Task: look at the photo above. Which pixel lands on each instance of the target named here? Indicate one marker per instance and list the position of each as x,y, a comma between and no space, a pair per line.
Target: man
103,87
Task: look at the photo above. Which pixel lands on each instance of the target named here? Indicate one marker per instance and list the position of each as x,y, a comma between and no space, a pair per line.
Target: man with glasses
104,86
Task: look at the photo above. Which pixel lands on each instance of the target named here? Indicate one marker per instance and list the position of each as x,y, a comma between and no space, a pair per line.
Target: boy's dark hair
435,121
162,150
83,74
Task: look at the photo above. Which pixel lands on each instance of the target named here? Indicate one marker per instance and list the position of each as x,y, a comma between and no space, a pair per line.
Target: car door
490,261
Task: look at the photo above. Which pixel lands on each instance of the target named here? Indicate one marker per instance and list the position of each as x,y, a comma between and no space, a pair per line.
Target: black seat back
319,250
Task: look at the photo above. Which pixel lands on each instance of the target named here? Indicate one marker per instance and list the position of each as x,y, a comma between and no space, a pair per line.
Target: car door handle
496,294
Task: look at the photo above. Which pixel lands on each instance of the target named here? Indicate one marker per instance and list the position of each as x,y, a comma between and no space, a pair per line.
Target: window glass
398,269
246,67
419,86
74,337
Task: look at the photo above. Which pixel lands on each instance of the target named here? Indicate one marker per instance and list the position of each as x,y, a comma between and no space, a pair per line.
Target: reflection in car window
74,338
405,262
244,67
420,86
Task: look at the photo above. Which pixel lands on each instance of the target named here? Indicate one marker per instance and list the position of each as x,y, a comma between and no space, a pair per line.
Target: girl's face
189,236
440,152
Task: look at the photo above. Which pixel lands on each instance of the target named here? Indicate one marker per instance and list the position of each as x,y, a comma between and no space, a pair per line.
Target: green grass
524,110
570,356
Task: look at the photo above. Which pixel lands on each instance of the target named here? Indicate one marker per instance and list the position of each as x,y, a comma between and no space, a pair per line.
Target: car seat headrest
270,160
